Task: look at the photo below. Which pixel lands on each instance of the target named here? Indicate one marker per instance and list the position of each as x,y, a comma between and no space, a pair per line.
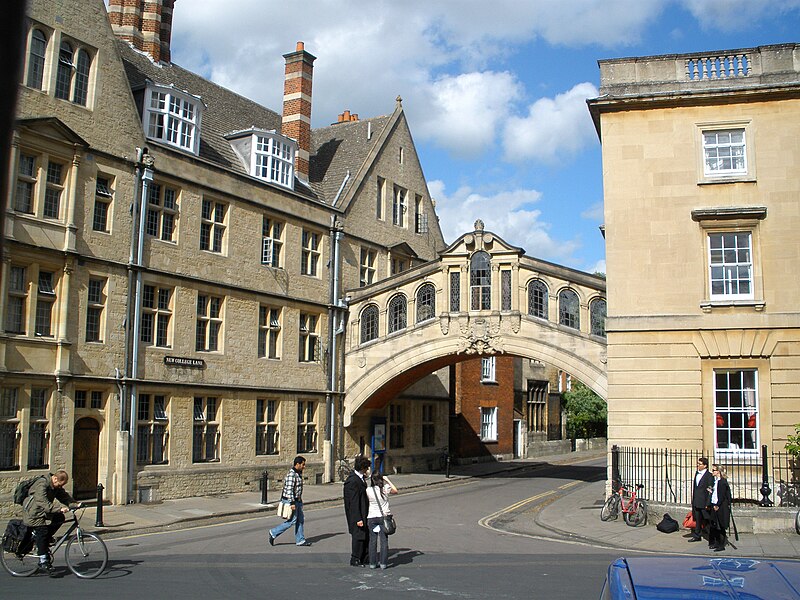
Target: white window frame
488,369
103,204
488,423
209,330
311,254
272,158
368,271
272,241
399,205
309,338
726,267
172,117
745,172
157,307
749,409
269,332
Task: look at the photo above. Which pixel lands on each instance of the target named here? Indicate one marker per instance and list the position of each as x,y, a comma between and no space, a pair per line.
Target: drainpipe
147,178
333,316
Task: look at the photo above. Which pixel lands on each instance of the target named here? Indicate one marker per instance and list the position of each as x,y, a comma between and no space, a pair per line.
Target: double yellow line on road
485,521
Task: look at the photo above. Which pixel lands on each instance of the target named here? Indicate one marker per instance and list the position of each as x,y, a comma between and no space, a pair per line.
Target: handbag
285,510
688,522
388,522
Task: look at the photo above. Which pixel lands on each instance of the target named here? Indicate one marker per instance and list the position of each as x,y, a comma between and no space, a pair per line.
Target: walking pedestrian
701,492
292,494
40,506
355,510
378,495
719,509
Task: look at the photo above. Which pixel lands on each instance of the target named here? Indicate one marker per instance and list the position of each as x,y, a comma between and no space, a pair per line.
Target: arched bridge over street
482,297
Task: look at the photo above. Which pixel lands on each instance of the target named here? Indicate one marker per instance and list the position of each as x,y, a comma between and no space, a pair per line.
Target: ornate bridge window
505,289
569,309
369,323
480,281
597,317
426,302
455,291
397,313
537,299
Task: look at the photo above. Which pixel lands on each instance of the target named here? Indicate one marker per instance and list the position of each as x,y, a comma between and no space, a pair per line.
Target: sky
495,92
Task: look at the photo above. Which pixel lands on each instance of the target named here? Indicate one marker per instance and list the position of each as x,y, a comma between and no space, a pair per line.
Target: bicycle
797,522
634,509
86,554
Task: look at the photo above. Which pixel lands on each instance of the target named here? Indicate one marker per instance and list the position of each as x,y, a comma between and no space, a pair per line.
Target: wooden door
85,454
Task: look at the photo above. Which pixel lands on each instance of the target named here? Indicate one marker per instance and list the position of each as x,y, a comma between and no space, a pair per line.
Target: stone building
701,182
174,261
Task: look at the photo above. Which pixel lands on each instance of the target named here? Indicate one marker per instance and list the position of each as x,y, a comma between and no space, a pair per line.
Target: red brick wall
471,395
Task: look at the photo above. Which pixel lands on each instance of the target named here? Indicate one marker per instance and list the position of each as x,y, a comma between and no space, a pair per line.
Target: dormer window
173,117
267,155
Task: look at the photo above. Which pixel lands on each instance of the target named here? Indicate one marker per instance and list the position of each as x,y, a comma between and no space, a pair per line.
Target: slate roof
339,148
334,149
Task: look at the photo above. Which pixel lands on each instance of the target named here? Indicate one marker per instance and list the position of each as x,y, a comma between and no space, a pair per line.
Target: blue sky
495,92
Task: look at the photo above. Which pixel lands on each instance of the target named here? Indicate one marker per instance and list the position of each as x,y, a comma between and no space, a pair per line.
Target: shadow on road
402,556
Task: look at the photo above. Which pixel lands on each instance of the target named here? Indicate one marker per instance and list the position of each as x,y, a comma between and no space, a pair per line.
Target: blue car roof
695,578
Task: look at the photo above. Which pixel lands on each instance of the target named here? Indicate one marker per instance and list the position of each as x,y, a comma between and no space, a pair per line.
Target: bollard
447,464
264,485
98,522
765,490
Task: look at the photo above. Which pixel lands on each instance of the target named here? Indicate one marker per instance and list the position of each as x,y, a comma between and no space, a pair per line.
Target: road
452,541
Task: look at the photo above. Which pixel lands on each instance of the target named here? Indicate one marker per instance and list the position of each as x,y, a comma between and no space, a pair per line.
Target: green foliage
793,442
587,413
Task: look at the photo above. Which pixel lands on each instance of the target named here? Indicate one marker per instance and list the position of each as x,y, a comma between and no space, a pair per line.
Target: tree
587,413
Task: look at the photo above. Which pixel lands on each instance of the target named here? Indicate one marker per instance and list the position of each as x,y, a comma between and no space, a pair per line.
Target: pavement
569,513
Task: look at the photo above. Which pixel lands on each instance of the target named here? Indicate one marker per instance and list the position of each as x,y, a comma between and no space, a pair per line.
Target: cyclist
40,507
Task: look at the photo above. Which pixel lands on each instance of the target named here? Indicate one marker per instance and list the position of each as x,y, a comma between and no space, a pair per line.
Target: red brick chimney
347,117
296,122
146,24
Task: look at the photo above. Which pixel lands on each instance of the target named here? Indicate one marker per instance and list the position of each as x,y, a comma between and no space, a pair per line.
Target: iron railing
668,475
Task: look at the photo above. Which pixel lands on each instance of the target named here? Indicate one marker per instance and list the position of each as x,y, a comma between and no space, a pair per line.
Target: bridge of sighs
482,297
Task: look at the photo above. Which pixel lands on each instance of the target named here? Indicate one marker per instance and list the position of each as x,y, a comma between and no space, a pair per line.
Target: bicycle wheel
638,515
610,509
86,555
797,522
19,565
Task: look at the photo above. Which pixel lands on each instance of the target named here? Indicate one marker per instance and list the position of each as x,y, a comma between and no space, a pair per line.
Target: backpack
667,524
22,489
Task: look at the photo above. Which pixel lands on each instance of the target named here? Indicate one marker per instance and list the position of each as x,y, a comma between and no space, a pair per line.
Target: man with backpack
39,507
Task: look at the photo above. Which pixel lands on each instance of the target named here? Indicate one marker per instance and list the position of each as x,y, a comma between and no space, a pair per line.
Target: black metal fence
765,479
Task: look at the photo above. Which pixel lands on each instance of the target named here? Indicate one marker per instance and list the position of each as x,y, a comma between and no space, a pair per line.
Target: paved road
450,543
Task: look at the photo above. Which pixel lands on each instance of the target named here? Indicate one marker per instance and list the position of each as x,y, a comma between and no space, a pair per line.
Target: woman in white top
378,495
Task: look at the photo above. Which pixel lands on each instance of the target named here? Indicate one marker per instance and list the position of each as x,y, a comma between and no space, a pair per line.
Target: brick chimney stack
296,121
146,24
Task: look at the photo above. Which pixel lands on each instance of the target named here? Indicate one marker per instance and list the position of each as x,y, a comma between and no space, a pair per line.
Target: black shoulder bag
389,525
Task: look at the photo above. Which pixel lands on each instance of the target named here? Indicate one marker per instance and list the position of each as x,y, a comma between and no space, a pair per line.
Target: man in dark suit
703,483
355,510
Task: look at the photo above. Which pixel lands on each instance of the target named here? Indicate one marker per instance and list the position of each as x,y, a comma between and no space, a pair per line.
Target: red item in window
751,422
720,420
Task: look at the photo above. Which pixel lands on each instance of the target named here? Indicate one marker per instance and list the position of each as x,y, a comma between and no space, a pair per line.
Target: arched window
426,303
597,317
397,313
537,299
64,72
369,323
36,59
569,308
81,78
480,281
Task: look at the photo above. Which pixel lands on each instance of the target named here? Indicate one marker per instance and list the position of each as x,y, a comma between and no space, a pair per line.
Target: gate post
615,480
765,490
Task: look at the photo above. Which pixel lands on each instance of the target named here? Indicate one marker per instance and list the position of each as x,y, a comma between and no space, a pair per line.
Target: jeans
373,542
297,520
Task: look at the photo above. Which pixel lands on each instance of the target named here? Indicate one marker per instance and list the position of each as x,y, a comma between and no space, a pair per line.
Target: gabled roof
341,149
404,249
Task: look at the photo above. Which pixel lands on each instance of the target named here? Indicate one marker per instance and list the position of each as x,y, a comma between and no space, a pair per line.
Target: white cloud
467,110
737,15
554,127
507,214
594,212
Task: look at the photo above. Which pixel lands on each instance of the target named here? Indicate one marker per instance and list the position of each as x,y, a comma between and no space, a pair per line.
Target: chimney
296,122
146,24
347,117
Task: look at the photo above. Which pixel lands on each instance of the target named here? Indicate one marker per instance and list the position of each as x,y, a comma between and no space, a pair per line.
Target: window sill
720,179
709,305
489,440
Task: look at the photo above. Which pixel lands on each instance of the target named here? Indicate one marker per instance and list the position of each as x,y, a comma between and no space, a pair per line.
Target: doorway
85,455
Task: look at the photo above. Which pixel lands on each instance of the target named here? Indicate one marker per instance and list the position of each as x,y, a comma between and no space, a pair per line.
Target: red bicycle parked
625,500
